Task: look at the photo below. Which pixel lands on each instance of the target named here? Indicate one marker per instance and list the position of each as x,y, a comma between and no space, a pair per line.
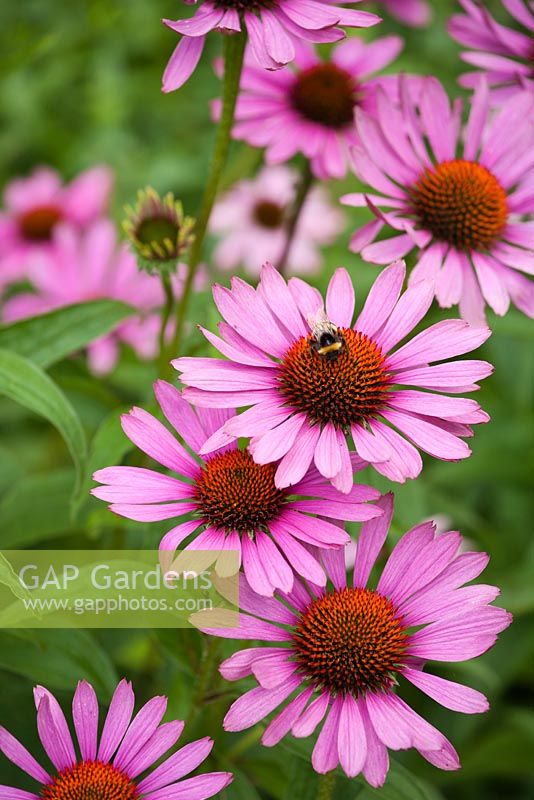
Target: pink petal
156,746
183,62
277,442
198,788
368,446
448,693
445,339
351,738
381,299
294,465
117,720
256,704
408,312
325,753
176,766
141,729
280,300
327,455
371,540
340,299
278,571
22,758
85,716
156,441
430,438
376,765
388,250
55,739
311,717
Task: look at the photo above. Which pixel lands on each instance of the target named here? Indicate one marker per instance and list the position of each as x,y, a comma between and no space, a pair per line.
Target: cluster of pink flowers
264,440
58,239
324,400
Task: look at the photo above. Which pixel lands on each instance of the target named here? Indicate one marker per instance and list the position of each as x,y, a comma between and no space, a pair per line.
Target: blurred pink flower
35,205
93,266
504,55
416,13
461,197
309,107
341,656
273,27
319,384
234,502
250,219
114,764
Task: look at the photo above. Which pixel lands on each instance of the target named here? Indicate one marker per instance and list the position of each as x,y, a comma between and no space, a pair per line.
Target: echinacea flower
93,266
234,502
505,56
313,379
158,231
415,13
272,27
464,199
309,107
251,219
116,764
341,654
36,205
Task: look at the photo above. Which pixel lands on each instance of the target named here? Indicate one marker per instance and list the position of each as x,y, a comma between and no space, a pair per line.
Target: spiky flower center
244,5
325,94
346,389
90,780
38,223
268,214
350,642
157,229
462,203
235,494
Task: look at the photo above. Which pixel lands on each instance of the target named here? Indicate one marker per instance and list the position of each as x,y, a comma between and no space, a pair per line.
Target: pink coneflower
272,27
90,267
251,219
313,378
416,13
234,501
35,205
459,197
309,108
341,653
505,56
113,765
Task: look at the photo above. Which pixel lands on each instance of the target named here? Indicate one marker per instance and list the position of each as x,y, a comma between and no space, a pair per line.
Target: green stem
303,189
233,52
165,316
327,782
207,671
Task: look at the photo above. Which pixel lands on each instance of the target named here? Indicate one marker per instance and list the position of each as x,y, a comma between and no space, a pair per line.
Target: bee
327,341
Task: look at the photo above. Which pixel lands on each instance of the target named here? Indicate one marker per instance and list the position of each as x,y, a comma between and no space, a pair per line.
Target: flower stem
326,786
207,674
165,316
233,52
303,189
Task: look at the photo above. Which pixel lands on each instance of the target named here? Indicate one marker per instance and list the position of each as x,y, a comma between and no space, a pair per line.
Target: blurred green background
80,84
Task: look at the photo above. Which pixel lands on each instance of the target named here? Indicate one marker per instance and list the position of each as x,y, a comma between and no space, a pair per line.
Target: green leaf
36,508
58,659
23,381
50,337
10,579
107,449
401,784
